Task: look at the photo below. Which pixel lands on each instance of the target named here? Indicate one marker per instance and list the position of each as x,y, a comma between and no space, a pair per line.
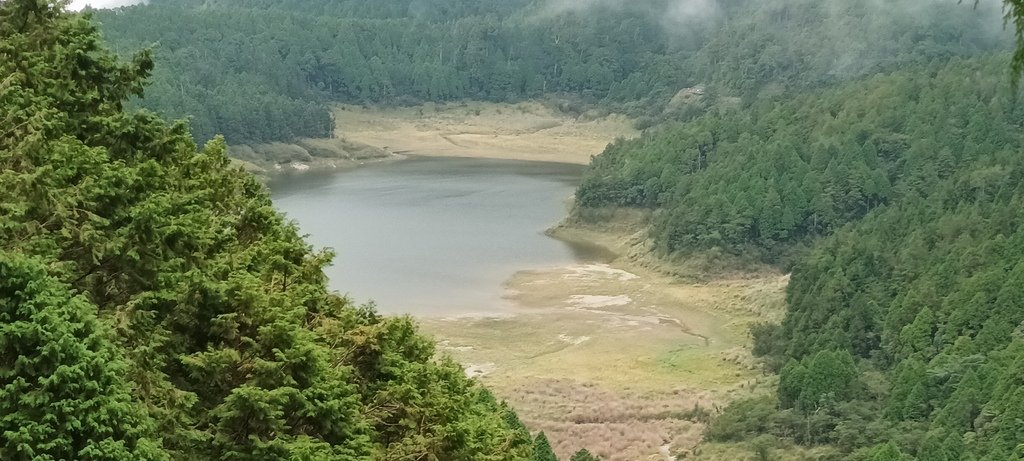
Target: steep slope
921,300
216,338
758,180
896,202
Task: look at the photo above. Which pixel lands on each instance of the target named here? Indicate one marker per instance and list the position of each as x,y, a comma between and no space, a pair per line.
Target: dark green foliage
741,420
425,10
908,398
941,271
791,379
402,387
63,393
584,455
766,340
265,71
925,291
941,445
196,322
1015,13
215,331
260,71
826,378
542,449
759,180
887,452
904,331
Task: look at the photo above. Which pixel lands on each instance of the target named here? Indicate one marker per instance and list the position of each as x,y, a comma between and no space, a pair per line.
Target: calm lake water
434,236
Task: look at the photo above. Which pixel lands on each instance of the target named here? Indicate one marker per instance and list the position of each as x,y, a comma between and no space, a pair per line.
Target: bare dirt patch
523,131
306,154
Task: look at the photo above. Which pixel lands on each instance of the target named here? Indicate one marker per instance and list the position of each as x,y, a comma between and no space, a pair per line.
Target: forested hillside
266,71
906,325
756,180
155,306
261,74
895,199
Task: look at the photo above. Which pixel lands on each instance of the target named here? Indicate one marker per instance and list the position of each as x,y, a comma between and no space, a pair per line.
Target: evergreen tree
940,445
542,449
917,337
62,388
222,332
271,70
583,455
887,452
791,382
831,376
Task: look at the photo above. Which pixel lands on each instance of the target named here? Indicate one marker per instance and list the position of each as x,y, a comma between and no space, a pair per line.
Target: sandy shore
523,131
616,358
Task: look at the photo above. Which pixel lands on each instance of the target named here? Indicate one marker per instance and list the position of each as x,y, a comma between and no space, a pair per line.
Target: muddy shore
617,358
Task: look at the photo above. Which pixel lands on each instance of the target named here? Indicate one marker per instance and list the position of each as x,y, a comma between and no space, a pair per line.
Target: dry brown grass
523,131
745,452
620,359
615,425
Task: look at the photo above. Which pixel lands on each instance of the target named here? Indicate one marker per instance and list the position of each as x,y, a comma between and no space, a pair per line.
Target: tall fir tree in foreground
62,389
164,282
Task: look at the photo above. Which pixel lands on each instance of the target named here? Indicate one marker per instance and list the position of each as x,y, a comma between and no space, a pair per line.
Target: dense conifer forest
155,306
266,71
895,200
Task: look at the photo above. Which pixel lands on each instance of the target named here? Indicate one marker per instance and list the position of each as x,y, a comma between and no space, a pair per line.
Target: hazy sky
79,4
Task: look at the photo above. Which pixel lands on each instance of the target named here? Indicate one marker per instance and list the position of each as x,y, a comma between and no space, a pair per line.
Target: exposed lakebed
434,236
440,237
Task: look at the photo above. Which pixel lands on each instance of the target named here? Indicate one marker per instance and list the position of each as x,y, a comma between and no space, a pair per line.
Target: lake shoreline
472,222
679,349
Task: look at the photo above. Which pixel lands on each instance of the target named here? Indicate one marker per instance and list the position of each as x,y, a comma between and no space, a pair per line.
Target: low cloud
683,11
79,5
673,11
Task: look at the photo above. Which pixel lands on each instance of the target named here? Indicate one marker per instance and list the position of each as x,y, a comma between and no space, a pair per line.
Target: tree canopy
893,199
156,306
258,71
